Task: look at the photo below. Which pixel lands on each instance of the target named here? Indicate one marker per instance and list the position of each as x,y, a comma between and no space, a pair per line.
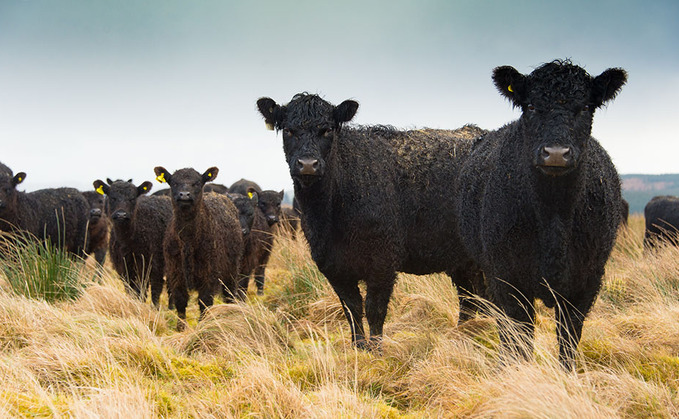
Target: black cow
374,201
540,201
662,220
98,229
267,213
136,243
244,187
203,244
57,216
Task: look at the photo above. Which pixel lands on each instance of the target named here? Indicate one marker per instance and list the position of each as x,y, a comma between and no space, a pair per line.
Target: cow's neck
317,214
123,230
187,221
557,198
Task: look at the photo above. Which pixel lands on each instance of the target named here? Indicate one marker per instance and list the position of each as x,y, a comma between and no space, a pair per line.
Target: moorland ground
288,353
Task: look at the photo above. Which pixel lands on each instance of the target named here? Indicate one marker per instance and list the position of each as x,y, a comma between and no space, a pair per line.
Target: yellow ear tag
161,178
146,188
100,190
209,174
250,195
20,179
510,88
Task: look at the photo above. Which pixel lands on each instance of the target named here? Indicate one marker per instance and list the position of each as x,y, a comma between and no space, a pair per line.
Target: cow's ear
281,194
18,178
144,188
607,85
511,84
344,112
109,181
162,175
210,174
101,187
273,113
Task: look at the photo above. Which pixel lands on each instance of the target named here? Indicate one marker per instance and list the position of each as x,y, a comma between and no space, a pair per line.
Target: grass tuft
39,270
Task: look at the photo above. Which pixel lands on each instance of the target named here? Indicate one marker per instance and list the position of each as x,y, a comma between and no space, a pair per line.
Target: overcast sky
91,89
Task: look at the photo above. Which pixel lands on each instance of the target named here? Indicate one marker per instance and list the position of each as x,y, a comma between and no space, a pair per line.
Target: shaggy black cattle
270,206
216,188
98,227
244,187
289,220
136,243
374,201
248,213
625,212
204,244
540,202
246,207
267,214
58,216
162,192
662,220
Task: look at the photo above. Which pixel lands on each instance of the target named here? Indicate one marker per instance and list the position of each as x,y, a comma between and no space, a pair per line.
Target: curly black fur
58,216
162,192
374,201
139,225
203,245
542,230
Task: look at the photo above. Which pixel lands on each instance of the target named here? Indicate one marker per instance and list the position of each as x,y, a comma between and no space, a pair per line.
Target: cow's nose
307,166
555,156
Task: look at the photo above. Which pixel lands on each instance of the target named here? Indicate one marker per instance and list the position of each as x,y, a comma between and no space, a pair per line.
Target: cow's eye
325,132
288,132
585,108
530,107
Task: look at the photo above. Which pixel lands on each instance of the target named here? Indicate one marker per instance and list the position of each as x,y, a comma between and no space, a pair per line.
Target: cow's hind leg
469,284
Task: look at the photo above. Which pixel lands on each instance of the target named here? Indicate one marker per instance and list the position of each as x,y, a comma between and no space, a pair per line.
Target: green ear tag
510,88
100,190
161,178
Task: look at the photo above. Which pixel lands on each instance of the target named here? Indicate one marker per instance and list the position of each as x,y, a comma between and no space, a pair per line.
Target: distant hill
639,189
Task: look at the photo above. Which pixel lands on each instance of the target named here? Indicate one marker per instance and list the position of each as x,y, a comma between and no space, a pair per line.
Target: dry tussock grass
288,353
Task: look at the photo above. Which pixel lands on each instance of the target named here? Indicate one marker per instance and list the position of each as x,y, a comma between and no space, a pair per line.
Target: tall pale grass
289,354
37,269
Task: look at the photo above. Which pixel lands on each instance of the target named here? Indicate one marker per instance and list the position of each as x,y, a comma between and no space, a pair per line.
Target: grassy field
100,353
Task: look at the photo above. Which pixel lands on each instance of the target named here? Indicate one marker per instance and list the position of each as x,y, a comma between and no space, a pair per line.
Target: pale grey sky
93,89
